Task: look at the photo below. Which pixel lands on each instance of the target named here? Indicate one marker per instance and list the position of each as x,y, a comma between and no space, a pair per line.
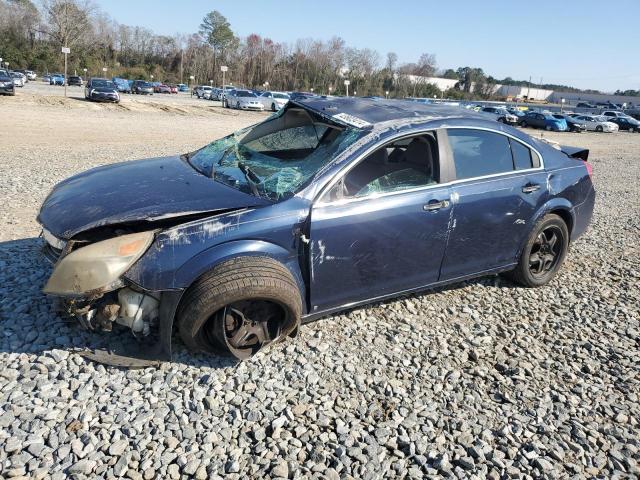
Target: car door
500,185
265,99
381,228
590,122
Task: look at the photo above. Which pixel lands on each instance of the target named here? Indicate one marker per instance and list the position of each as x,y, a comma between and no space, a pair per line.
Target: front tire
240,307
543,254
599,129
273,107
524,124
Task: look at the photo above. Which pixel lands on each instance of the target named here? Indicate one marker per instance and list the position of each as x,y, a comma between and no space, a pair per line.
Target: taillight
589,168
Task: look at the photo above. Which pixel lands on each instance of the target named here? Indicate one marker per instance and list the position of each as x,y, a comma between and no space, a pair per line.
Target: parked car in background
101,90
243,100
203,91
222,92
585,105
46,78
7,87
596,123
501,115
173,88
273,101
182,87
544,120
75,81
613,114
18,79
238,244
142,87
30,75
626,123
122,84
24,74
516,111
573,124
56,79
161,88
300,95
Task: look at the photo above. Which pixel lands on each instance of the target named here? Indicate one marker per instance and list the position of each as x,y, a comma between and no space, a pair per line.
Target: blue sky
581,43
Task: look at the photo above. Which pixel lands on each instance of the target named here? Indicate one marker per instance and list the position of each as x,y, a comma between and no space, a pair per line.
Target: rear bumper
582,215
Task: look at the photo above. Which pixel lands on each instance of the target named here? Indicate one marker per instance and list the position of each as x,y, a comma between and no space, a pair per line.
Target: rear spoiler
575,152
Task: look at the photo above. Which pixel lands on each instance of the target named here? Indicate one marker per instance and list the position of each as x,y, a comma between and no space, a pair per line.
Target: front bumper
126,305
104,98
8,89
251,107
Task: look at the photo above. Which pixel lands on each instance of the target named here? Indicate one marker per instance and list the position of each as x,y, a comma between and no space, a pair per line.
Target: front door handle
530,188
434,205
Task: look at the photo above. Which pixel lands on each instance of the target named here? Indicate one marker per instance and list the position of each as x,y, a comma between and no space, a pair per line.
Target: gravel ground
479,380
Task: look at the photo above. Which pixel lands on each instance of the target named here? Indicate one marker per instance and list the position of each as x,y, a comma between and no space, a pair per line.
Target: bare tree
67,20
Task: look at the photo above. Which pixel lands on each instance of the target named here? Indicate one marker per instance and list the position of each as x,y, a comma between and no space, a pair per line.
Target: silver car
243,100
596,123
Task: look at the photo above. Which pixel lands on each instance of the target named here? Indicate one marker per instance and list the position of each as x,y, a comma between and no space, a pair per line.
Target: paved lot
479,379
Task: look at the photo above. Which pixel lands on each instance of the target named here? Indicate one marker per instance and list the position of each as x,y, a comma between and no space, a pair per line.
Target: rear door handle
434,205
530,188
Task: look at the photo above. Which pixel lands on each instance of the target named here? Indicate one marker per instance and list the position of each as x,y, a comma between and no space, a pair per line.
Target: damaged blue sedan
328,204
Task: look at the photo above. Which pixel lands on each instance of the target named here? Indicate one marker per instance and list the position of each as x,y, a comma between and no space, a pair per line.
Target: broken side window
402,165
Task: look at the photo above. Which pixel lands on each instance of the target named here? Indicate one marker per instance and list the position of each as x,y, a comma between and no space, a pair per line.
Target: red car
162,88
173,88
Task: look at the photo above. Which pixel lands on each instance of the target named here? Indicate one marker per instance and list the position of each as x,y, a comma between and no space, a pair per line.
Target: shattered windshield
274,159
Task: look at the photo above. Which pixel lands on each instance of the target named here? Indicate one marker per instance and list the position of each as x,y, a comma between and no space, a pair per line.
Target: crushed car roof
364,112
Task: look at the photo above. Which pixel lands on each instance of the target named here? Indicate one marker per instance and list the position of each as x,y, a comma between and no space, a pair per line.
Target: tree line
31,36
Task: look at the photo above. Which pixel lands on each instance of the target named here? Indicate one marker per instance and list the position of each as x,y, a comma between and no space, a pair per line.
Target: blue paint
340,253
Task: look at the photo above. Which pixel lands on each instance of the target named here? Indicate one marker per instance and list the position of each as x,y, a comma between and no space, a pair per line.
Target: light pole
85,74
266,85
562,100
346,84
386,94
152,78
311,90
66,51
330,89
211,83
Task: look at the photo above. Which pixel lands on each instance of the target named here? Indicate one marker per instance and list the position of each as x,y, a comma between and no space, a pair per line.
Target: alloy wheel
245,327
546,252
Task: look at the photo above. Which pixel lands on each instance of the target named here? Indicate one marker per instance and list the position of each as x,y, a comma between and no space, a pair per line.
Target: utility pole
181,60
66,51
529,88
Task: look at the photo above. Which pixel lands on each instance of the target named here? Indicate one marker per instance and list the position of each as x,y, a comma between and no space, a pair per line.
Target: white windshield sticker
351,120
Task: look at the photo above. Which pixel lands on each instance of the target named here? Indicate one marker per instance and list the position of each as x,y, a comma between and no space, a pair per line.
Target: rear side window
521,155
477,153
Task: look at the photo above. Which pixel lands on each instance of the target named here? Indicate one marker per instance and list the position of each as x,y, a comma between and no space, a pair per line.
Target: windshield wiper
253,179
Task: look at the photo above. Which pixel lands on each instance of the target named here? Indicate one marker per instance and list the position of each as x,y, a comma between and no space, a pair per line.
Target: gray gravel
479,380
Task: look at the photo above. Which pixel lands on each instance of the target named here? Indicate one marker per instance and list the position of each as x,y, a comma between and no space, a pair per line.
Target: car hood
143,190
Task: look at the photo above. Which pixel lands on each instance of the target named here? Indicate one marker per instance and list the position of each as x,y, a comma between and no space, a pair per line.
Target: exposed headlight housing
97,267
